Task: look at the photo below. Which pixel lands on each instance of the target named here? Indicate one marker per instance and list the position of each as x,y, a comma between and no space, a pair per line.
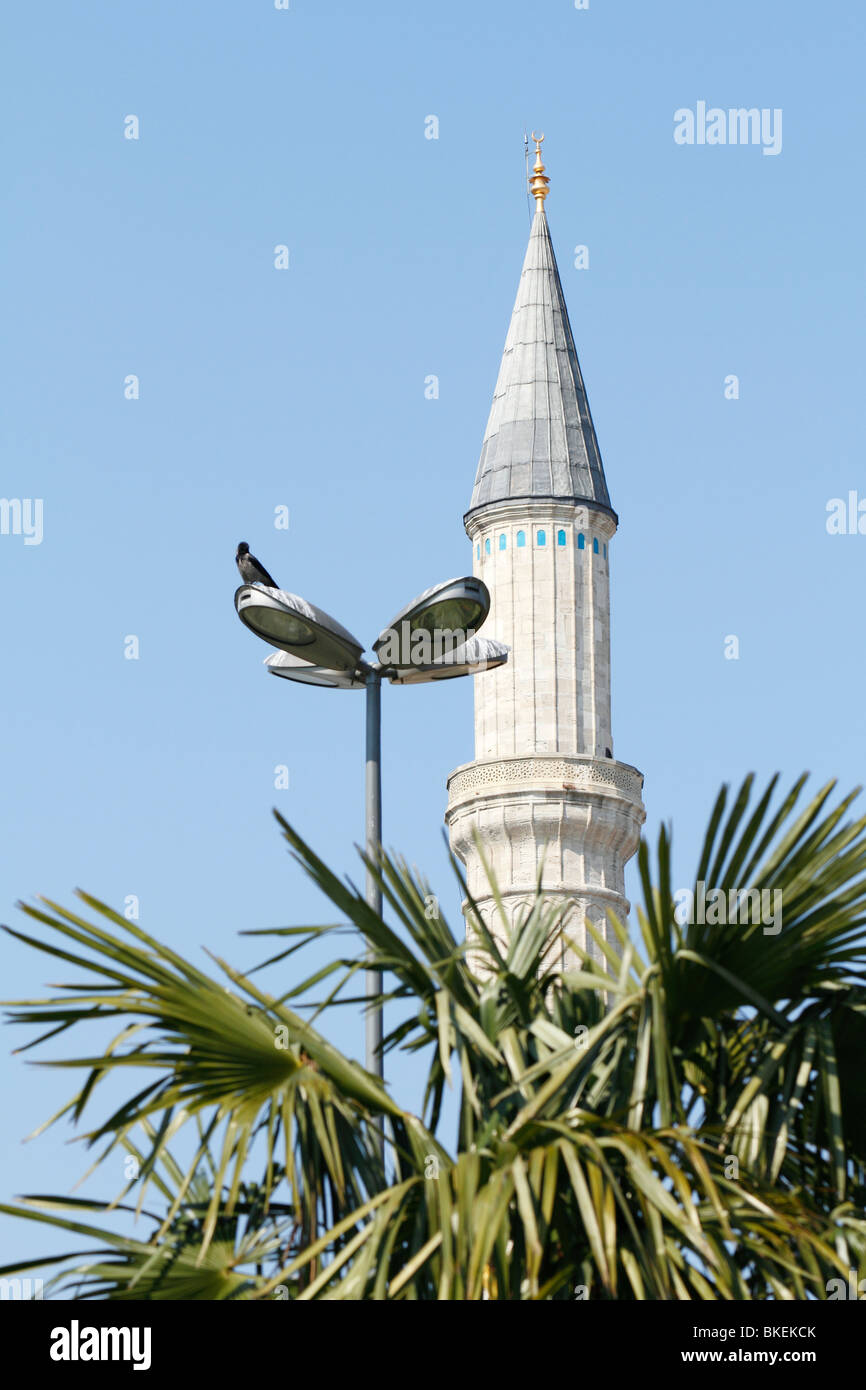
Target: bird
252,572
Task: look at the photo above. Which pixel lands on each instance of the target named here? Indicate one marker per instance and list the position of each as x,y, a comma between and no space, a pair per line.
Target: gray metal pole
373,978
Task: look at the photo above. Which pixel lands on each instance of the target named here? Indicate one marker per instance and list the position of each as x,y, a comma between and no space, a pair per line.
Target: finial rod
538,184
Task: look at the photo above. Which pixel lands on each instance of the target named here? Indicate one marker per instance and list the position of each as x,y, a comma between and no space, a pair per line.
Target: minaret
545,787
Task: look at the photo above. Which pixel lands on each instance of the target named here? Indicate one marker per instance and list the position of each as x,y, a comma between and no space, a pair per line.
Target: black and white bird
251,571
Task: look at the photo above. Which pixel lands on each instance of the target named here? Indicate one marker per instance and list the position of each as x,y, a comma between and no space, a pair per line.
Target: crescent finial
539,181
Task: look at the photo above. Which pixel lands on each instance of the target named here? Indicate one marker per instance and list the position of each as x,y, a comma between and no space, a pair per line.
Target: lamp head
294,669
440,620
476,655
293,625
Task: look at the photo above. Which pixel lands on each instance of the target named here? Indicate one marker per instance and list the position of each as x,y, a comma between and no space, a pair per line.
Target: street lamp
432,638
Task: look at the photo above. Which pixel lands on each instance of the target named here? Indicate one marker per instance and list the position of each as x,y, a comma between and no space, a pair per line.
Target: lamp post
374,1022
432,638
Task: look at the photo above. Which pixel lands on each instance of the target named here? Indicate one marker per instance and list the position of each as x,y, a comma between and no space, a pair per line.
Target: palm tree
683,1121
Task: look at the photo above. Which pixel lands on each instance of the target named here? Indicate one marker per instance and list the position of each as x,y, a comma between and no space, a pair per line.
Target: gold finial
539,181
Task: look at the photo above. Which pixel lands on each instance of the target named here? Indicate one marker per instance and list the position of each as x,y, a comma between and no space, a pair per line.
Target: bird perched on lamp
251,571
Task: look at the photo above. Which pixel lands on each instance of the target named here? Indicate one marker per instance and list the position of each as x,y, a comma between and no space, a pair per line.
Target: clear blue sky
305,388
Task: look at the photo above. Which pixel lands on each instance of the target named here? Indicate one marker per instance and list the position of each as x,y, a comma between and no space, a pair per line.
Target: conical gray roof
540,440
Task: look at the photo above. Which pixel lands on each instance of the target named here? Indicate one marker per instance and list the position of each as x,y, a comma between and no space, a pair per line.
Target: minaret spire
545,797
540,440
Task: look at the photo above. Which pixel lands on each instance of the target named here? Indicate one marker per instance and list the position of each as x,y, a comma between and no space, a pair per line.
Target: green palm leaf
684,1121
